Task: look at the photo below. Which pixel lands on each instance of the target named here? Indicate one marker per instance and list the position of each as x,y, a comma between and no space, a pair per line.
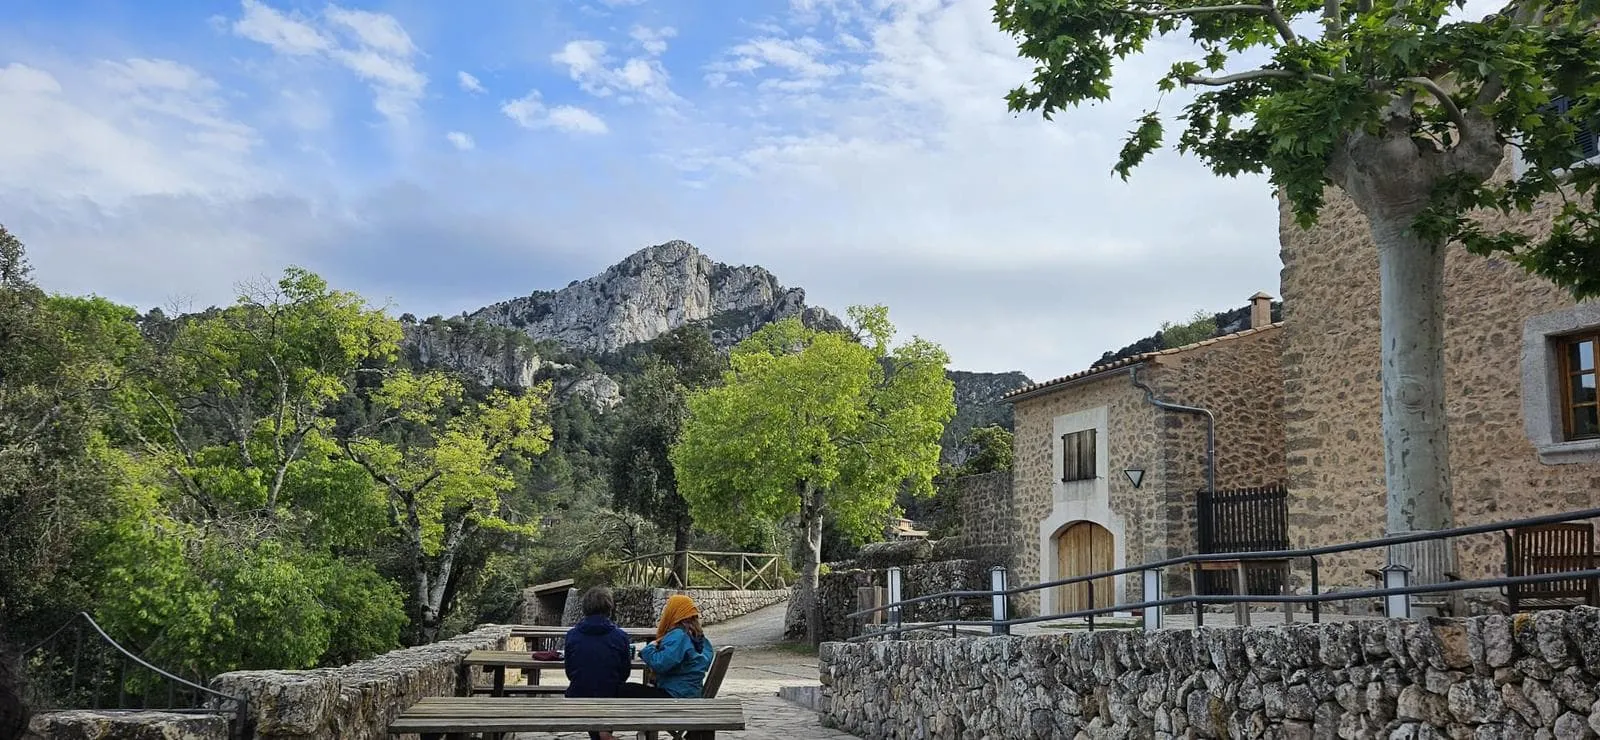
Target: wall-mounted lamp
1135,476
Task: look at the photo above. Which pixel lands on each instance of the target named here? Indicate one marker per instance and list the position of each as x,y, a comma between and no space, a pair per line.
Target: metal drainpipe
1211,426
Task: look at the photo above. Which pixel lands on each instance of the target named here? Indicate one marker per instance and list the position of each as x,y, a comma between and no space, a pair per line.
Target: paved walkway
760,665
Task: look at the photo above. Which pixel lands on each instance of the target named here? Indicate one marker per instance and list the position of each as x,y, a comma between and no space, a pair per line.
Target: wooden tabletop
519,659
498,714
636,634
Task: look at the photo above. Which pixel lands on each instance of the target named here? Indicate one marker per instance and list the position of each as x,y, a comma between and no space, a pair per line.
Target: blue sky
440,157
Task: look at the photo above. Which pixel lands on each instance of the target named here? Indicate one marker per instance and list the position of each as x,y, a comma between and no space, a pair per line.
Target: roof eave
1045,390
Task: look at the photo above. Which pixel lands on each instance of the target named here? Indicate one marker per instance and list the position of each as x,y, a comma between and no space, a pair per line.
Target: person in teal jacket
680,655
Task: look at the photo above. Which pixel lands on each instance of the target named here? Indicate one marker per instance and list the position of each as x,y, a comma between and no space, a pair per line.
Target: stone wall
836,594
357,701
83,723
1531,676
1332,392
641,607
1238,378
987,514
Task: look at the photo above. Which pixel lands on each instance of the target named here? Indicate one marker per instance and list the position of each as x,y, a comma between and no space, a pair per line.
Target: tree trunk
1416,450
807,592
1415,437
680,550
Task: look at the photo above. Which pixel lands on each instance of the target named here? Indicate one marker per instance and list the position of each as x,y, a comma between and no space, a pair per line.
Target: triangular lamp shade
1135,476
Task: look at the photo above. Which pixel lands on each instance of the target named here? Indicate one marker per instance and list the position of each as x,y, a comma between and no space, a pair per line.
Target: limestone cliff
486,354
649,293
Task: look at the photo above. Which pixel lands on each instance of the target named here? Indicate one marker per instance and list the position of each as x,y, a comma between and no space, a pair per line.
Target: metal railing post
1152,592
1090,584
1396,575
997,583
1316,606
894,596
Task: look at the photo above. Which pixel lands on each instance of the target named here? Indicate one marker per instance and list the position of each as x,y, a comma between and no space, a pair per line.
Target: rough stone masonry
1526,676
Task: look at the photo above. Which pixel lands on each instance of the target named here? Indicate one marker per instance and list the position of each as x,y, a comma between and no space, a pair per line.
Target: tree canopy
808,422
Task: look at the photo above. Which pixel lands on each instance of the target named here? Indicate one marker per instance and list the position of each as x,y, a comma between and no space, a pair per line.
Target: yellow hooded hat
678,608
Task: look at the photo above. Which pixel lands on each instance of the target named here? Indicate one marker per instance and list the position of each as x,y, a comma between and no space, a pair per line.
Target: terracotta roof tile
1134,360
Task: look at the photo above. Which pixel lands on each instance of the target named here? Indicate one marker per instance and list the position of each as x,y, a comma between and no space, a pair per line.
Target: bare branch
1282,25
1440,95
1255,74
1202,10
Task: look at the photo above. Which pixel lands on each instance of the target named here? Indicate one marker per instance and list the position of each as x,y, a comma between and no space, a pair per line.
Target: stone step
805,696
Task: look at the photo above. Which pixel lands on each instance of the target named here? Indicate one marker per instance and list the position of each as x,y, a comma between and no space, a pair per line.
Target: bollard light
997,583
1396,606
1152,592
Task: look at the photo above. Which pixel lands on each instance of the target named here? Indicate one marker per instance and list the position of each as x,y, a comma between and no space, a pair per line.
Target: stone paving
760,666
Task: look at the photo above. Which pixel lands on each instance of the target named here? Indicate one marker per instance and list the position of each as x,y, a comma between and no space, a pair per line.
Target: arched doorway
1083,548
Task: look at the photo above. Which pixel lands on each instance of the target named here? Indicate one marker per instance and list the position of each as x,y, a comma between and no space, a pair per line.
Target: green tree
641,478
992,450
1407,112
807,423
240,394
61,362
1200,327
442,460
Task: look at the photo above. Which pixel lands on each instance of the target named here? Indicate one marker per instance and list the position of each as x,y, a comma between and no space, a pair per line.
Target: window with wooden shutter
1578,401
1588,134
1078,453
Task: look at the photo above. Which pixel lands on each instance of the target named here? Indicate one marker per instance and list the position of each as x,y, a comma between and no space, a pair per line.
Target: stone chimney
1260,310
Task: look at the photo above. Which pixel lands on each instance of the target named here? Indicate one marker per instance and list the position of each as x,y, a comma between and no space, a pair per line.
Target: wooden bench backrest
1550,548
719,668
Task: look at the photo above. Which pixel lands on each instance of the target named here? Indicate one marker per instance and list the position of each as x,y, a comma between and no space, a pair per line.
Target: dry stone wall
95,725
987,514
357,701
1333,392
836,593
1531,676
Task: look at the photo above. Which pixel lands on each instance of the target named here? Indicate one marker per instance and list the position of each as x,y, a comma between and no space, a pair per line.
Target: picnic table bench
435,717
545,637
497,661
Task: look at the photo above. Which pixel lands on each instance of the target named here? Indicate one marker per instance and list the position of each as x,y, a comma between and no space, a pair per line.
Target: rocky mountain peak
649,293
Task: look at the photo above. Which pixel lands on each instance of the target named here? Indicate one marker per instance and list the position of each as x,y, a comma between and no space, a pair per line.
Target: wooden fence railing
740,571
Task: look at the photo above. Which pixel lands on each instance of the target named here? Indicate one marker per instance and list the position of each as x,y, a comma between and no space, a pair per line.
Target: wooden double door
1081,549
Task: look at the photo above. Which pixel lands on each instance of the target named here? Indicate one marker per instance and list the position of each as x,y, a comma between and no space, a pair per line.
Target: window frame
1086,458
1569,377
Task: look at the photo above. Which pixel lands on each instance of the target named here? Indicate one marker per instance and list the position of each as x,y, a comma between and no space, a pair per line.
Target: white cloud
588,64
799,58
286,33
376,49
469,83
114,130
652,40
461,141
576,120
530,112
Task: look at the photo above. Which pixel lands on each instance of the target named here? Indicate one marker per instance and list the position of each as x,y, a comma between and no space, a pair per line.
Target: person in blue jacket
598,654
680,655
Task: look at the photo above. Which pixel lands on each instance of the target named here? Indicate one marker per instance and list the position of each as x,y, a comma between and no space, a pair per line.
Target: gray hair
598,600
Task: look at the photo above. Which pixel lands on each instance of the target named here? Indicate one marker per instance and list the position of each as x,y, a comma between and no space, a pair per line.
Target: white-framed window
1560,367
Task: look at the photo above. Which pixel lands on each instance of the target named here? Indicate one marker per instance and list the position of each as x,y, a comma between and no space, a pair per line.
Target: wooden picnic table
435,716
547,635
497,661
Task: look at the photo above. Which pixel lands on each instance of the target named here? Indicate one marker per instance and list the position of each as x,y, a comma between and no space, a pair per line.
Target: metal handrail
1310,552
239,703
1251,598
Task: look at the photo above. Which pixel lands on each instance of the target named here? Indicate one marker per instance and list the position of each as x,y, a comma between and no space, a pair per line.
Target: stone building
1519,378
1105,478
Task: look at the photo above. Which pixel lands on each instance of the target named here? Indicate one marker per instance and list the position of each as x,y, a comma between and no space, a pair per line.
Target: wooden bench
497,661
1239,568
713,682
1550,548
437,716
